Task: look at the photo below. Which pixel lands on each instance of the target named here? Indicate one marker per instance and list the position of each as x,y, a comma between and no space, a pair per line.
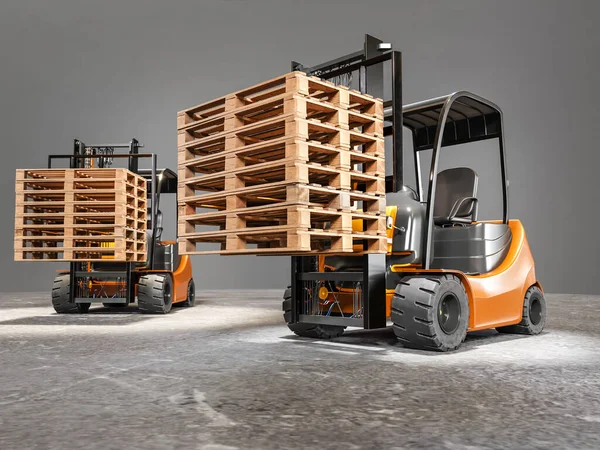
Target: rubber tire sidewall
191,287
415,312
534,293
314,331
455,338
168,284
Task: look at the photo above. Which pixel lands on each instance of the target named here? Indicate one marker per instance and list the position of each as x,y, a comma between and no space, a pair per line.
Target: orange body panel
496,298
181,278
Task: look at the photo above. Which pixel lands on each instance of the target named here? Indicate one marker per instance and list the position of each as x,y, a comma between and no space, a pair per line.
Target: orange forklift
163,280
446,273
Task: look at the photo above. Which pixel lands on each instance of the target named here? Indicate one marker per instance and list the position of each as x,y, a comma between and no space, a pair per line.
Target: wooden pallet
94,248
283,167
285,215
300,107
76,214
281,126
277,149
283,171
277,193
285,86
282,242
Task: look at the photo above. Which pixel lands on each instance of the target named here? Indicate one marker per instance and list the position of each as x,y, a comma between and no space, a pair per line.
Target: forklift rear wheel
307,329
60,297
191,294
534,314
155,293
430,312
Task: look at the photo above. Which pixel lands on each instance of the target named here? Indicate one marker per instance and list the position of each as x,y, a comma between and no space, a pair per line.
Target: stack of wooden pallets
80,214
283,167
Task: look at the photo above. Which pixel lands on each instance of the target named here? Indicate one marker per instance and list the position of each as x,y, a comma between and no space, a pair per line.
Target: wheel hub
535,311
449,313
191,293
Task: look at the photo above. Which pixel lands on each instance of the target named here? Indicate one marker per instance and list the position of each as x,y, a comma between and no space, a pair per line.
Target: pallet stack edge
80,215
293,165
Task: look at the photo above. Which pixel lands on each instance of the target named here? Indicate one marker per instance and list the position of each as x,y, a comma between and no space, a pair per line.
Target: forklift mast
102,156
368,283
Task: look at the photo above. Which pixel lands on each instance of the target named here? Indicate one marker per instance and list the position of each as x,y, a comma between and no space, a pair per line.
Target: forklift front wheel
155,293
60,297
430,312
308,329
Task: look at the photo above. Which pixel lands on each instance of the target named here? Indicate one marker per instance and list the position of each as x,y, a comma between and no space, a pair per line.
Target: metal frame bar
398,150
322,70
374,265
446,108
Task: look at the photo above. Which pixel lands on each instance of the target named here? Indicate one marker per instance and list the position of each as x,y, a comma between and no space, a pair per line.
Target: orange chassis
495,298
181,278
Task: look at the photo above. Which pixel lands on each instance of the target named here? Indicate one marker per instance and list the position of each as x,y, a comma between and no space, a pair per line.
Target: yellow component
398,267
357,226
323,293
390,212
107,245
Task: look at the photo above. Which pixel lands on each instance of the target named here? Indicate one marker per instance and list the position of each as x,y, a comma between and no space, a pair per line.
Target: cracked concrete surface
228,375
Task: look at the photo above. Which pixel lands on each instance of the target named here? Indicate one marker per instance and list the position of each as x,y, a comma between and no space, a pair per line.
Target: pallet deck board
295,82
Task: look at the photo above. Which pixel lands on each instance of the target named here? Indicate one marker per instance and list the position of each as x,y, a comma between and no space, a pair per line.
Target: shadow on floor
385,338
97,316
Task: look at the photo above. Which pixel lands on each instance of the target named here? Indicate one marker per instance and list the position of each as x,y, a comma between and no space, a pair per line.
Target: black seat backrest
159,227
159,224
453,187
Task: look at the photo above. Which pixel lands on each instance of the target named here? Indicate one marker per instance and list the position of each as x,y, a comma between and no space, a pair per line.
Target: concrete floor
228,374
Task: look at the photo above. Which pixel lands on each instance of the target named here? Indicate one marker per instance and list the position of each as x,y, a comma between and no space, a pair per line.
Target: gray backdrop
114,69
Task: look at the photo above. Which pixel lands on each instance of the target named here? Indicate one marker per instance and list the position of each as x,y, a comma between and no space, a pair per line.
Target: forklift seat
455,197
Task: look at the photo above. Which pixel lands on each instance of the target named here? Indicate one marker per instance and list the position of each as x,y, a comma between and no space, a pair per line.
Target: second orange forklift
163,280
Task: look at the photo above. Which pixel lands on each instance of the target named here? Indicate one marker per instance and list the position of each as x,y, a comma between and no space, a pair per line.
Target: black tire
534,314
60,297
430,312
190,301
155,293
307,329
